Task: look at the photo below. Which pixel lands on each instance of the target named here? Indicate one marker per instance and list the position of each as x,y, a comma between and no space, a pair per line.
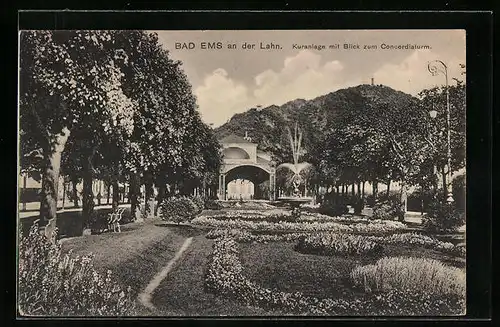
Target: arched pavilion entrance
243,163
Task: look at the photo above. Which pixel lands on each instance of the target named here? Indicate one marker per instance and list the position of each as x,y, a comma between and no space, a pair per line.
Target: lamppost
437,67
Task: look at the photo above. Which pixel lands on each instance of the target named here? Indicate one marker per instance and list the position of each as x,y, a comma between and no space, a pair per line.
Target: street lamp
437,67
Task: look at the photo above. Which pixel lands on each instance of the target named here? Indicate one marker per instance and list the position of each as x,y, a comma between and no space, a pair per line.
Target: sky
229,80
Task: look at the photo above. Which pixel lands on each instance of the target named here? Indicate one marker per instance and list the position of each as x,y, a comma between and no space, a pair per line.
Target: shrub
459,191
404,273
358,204
199,202
337,243
212,204
388,210
178,209
53,284
443,217
333,209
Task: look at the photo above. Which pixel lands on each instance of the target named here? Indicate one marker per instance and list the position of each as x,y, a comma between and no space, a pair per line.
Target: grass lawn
182,292
277,265
142,249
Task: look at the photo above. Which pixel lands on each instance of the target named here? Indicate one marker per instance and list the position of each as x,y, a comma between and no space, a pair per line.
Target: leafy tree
68,80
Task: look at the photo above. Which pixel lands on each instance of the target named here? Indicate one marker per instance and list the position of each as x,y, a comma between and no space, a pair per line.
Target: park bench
114,219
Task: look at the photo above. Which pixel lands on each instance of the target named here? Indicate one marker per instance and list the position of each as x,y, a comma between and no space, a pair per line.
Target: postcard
167,173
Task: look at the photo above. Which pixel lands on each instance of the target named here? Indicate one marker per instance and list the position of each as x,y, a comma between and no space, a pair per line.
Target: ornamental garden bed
275,277
269,265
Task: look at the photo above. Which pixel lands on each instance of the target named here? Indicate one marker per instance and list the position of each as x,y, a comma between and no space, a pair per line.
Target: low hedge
338,244
332,226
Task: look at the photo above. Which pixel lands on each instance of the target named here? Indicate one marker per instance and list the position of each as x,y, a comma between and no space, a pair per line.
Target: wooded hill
316,117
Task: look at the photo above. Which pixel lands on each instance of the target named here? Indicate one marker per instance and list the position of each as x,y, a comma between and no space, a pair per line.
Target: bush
53,284
338,244
403,273
212,204
178,209
443,217
358,204
459,188
333,209
383,211
388,210
199,202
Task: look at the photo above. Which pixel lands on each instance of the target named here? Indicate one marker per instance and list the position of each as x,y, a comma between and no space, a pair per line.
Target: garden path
182,292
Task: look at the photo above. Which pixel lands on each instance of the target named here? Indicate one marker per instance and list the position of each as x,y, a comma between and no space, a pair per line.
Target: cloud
220,97
412,76
302,76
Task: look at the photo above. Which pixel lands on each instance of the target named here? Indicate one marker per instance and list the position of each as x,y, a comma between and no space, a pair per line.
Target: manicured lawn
143,249
138,253
135,255
182,292
277,265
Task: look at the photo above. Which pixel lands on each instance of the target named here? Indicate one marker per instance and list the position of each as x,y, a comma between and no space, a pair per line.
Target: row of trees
110,105
383,140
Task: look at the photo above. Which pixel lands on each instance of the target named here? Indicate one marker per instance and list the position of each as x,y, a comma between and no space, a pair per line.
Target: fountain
296,200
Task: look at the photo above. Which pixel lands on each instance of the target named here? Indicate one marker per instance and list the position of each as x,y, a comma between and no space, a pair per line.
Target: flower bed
419,239
53,284
244,236
373,227
224,276
272,216
337,243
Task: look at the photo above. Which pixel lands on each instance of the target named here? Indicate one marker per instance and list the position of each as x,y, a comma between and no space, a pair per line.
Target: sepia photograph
241,173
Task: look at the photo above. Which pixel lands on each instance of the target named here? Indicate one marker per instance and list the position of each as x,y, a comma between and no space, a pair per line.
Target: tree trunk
161,195
359,189
353,190
375,191
343,190
74,182
134,192
50,181
435,178
88,195
149,185
24,191
99,193
422,204
403,198
363,190
108,193
388,188
116,194
443,172
64,195
88,198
